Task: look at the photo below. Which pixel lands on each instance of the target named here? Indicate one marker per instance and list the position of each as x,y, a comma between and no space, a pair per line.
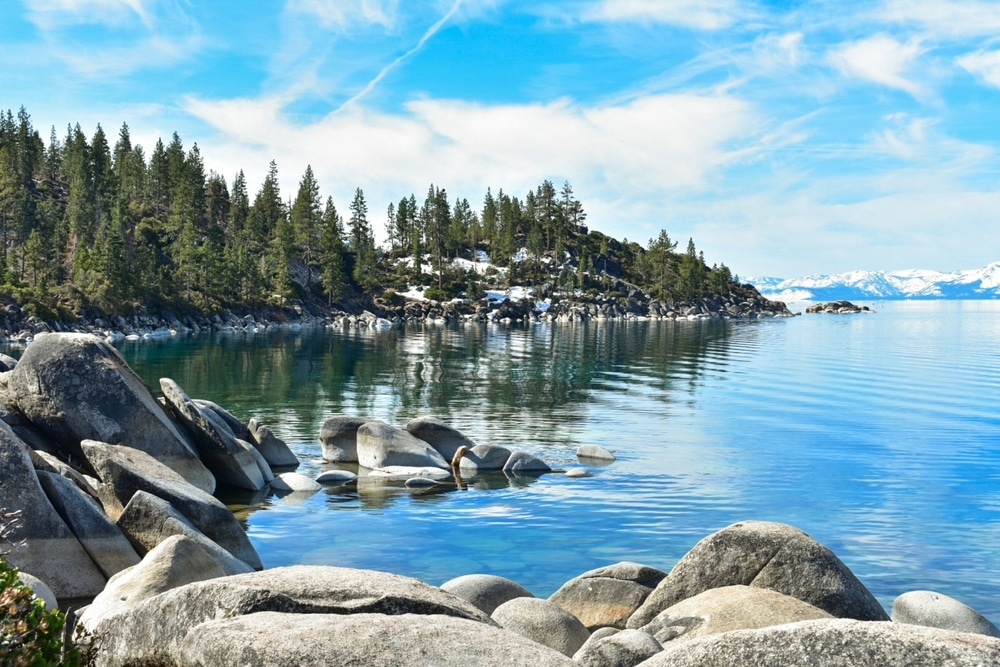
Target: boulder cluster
114,487
838,308
621,302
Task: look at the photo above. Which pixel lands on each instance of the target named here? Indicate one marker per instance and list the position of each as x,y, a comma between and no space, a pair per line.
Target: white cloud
343,14
650,147
881,59
945,18
699,14
779,51
48,14
984,64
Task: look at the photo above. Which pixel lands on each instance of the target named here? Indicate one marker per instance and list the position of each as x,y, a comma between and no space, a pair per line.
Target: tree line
87,223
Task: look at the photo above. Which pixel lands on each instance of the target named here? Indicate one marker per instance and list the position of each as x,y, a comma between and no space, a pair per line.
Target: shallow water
877,434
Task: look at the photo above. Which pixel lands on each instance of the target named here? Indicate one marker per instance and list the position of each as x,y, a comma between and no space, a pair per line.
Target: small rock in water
594,452
407,472
578,472
336,477
293,481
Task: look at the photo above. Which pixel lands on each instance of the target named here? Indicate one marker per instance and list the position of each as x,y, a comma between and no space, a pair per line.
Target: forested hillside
90,224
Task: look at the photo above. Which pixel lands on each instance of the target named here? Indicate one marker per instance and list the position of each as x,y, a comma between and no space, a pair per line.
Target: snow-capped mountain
910,284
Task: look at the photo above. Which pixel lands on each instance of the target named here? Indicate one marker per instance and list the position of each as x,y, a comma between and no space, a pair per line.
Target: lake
878,434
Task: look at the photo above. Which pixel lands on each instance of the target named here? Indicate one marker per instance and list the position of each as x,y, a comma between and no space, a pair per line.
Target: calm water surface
877,434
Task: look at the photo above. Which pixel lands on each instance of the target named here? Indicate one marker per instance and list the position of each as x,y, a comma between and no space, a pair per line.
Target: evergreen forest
100,224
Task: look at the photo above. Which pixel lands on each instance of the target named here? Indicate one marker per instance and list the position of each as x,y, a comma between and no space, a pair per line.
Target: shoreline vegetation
95,237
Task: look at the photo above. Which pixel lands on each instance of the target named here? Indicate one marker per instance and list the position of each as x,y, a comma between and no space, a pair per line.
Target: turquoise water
877,434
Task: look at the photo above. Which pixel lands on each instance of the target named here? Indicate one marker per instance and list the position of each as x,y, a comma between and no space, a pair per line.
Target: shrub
30,634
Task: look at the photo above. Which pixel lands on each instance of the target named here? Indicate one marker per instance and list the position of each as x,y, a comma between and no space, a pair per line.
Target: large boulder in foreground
231,463
765,555
543,622
381,446
269,639
148,521
445,439
154,630
608,596
822,643
937,610
52,552
175,562
77,387
485,591
126,471
729,608
626,648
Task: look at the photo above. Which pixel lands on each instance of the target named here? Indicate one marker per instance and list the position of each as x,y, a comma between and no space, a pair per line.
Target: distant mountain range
911,284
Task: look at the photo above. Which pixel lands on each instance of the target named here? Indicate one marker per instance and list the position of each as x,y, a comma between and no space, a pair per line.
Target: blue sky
786,138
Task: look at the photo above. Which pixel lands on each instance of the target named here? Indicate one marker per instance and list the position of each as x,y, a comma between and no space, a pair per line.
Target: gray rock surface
153,631
339,438
524,463
445,439
764,555
52,552
485,591
45,462
175,562
77,387
484,458
621,649
595,452
269,639
543,622
148,521
231,464
729,608
234,423
937,610
127,470
40,589
274,450
829,642
103,540
380,446
262,464
608,596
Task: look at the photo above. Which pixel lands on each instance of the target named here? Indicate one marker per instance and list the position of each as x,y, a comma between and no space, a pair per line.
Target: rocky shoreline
622,302
115,489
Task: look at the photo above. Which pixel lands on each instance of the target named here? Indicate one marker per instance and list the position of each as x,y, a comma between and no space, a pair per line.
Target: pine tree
333,275
307,213
362,243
